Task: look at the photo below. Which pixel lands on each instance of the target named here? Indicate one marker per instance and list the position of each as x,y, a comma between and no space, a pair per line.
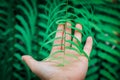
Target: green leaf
108,57
110,69
108,49
106,74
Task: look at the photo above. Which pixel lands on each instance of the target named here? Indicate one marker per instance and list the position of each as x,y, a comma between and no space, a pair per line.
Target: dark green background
25,24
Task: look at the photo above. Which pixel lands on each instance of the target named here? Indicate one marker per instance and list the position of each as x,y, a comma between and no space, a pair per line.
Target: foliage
28,27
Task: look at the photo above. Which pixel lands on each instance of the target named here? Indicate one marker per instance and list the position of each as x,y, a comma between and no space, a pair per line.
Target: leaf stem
64,34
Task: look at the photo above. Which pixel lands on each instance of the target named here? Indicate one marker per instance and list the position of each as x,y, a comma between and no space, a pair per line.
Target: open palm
51,69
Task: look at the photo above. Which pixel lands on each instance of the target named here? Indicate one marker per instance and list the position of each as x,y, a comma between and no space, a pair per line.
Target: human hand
49,69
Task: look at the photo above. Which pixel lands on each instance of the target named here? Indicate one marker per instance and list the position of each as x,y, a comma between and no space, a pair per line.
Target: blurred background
26,24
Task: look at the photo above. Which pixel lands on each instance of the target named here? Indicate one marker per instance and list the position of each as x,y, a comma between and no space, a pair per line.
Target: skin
49,69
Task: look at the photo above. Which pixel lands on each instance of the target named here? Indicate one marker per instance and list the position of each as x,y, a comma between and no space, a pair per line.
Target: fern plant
57,19
29,26
6,37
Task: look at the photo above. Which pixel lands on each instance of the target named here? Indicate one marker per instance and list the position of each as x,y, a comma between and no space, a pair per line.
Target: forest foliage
27,27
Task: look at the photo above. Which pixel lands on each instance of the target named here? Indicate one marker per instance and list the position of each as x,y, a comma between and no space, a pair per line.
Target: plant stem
64,34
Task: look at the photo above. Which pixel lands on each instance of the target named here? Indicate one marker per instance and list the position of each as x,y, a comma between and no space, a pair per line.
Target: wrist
59,78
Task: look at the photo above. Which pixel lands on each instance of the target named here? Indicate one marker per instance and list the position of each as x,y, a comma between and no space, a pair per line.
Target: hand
76,68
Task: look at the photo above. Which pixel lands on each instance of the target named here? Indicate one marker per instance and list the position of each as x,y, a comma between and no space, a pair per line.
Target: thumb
41,69
32,63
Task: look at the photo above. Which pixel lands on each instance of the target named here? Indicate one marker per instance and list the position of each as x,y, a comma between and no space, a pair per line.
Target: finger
59,34
88,45
77,34
30,62
66,35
